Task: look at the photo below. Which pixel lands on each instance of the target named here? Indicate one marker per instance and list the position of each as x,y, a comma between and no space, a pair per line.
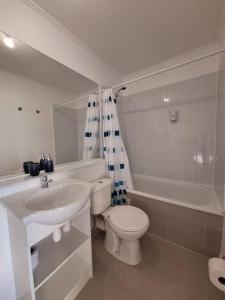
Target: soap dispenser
49,166
42,162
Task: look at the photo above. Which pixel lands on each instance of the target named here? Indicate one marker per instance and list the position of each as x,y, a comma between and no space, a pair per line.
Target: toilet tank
101,195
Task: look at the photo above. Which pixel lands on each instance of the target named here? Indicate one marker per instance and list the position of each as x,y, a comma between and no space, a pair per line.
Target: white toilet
124,225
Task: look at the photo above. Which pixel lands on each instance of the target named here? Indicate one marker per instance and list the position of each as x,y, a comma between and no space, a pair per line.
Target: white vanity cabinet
64,267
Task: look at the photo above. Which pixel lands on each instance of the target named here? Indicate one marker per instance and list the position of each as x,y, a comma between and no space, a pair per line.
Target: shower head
119,90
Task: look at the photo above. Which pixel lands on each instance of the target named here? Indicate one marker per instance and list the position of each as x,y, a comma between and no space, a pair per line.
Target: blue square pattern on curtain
117,164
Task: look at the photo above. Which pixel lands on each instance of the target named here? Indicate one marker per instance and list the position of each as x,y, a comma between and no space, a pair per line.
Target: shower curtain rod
151,74
70,102
75,100
169,68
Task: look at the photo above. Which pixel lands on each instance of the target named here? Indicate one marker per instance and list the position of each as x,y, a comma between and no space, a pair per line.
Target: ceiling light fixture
9,42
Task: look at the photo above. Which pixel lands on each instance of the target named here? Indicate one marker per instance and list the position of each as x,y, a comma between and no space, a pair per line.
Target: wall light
9,42
166,100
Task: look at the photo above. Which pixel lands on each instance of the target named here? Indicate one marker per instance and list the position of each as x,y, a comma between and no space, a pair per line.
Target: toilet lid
128,218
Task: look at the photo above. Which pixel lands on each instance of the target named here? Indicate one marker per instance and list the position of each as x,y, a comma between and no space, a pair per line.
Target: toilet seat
127,218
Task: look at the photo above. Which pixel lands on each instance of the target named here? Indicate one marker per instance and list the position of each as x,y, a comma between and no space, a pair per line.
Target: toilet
124,224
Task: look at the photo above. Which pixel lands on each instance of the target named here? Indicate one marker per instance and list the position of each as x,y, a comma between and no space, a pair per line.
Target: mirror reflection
69,127
32,86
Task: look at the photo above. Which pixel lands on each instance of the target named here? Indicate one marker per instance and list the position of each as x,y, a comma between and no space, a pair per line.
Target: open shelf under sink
53,255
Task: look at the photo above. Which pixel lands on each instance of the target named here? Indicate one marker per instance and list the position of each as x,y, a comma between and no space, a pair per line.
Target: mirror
31,86
69,126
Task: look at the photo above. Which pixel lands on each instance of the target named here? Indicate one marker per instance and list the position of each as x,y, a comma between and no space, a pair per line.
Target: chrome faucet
45,181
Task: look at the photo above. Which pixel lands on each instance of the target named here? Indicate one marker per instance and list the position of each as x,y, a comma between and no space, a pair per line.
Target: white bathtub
190,195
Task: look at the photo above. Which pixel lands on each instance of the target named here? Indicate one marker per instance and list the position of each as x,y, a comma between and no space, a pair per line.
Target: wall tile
161,115
214,221
162,133
220,165
143,118
205,153
138,201
195,230
207,110
188,152
182,92
187,112
188,132
206,131
182,150
172,170
187,234
187,172
204,173
212,242
206,87
187,214
220,124
139,166
157,212
219,177
174,132
174,152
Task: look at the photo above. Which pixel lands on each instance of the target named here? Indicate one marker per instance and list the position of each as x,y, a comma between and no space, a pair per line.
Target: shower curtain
91,136
117,164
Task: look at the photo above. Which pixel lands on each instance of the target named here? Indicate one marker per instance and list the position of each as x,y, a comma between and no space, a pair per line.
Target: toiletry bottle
49,166
42,161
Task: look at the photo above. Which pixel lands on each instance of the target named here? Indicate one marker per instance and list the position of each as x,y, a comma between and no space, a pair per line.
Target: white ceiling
28,62
133,34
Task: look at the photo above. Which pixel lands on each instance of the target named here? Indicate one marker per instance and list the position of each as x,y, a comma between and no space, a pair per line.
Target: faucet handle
45,181
44,178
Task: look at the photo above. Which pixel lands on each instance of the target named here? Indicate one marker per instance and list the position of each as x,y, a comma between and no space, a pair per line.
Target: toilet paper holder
217,272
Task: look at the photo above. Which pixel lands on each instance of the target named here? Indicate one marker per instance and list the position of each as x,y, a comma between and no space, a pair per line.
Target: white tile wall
219,177
182,150
69,134
65,135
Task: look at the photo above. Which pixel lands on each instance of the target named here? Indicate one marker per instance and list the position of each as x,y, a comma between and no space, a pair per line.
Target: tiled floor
165,272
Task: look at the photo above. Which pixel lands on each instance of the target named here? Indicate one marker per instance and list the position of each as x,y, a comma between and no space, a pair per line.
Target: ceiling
28,62
133,34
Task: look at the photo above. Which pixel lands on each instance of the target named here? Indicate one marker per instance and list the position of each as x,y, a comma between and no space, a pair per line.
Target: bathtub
189,195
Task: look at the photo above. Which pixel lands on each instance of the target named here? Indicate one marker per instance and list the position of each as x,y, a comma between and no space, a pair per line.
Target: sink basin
58,203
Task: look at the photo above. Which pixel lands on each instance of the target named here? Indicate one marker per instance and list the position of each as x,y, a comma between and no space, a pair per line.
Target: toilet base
128,252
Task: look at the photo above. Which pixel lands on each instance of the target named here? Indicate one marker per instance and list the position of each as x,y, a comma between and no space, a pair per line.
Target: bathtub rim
217,211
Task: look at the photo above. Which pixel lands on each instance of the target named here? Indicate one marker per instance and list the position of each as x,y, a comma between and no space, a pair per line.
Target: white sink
58,203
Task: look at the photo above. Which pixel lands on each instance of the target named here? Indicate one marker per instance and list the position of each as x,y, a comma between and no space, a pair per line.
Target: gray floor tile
166,272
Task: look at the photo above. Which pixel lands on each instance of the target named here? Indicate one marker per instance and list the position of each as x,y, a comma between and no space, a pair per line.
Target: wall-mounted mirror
31,86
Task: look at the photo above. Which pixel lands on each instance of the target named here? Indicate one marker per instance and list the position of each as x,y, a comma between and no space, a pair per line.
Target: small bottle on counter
49,166
42,161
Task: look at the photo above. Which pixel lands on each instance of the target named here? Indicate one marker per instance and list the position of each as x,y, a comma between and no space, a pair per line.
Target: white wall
34,28
24,134
65,135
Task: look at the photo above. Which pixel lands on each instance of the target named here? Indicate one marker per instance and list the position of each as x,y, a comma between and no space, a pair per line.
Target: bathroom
112,168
